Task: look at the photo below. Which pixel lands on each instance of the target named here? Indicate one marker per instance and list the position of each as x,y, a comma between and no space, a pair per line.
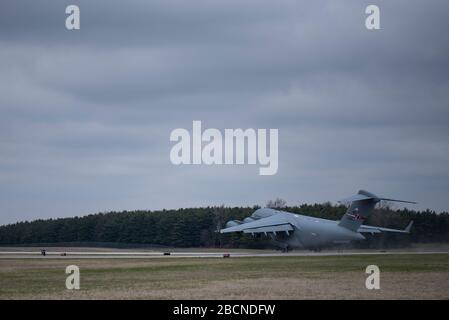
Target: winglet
409,227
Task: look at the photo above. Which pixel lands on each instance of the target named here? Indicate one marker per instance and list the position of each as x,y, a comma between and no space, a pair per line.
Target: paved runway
184,254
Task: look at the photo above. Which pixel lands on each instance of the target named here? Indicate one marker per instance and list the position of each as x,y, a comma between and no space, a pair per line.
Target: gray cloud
86,115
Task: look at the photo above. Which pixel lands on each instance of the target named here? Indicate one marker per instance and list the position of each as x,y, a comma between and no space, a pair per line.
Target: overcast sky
85,116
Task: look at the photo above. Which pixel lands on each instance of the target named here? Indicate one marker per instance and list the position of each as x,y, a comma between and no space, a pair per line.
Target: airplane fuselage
314,233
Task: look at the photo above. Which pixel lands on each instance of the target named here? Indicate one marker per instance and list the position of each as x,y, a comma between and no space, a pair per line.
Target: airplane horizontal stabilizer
364,195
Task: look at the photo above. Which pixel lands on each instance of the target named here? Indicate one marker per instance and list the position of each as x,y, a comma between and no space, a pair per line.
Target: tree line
196,227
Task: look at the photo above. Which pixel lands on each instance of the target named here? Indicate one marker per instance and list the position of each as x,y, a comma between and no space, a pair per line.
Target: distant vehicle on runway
288,230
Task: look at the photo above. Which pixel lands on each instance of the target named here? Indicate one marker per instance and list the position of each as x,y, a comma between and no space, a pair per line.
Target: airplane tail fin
360,208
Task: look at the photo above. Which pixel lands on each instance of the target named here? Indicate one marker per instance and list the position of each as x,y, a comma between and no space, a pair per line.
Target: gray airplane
288,230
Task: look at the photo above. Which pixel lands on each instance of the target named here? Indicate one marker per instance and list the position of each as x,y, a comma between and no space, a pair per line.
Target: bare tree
219,221
278,203
387,205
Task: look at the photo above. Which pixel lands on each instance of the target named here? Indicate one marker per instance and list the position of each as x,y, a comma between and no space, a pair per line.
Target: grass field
321,277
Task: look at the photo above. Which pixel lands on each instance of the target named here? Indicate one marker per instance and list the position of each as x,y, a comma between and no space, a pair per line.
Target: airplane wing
372,229
275,223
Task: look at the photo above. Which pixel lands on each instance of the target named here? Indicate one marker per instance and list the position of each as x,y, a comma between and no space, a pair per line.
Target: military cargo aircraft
288,230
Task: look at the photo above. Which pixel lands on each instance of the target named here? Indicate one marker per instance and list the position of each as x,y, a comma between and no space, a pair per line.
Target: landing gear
285,249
